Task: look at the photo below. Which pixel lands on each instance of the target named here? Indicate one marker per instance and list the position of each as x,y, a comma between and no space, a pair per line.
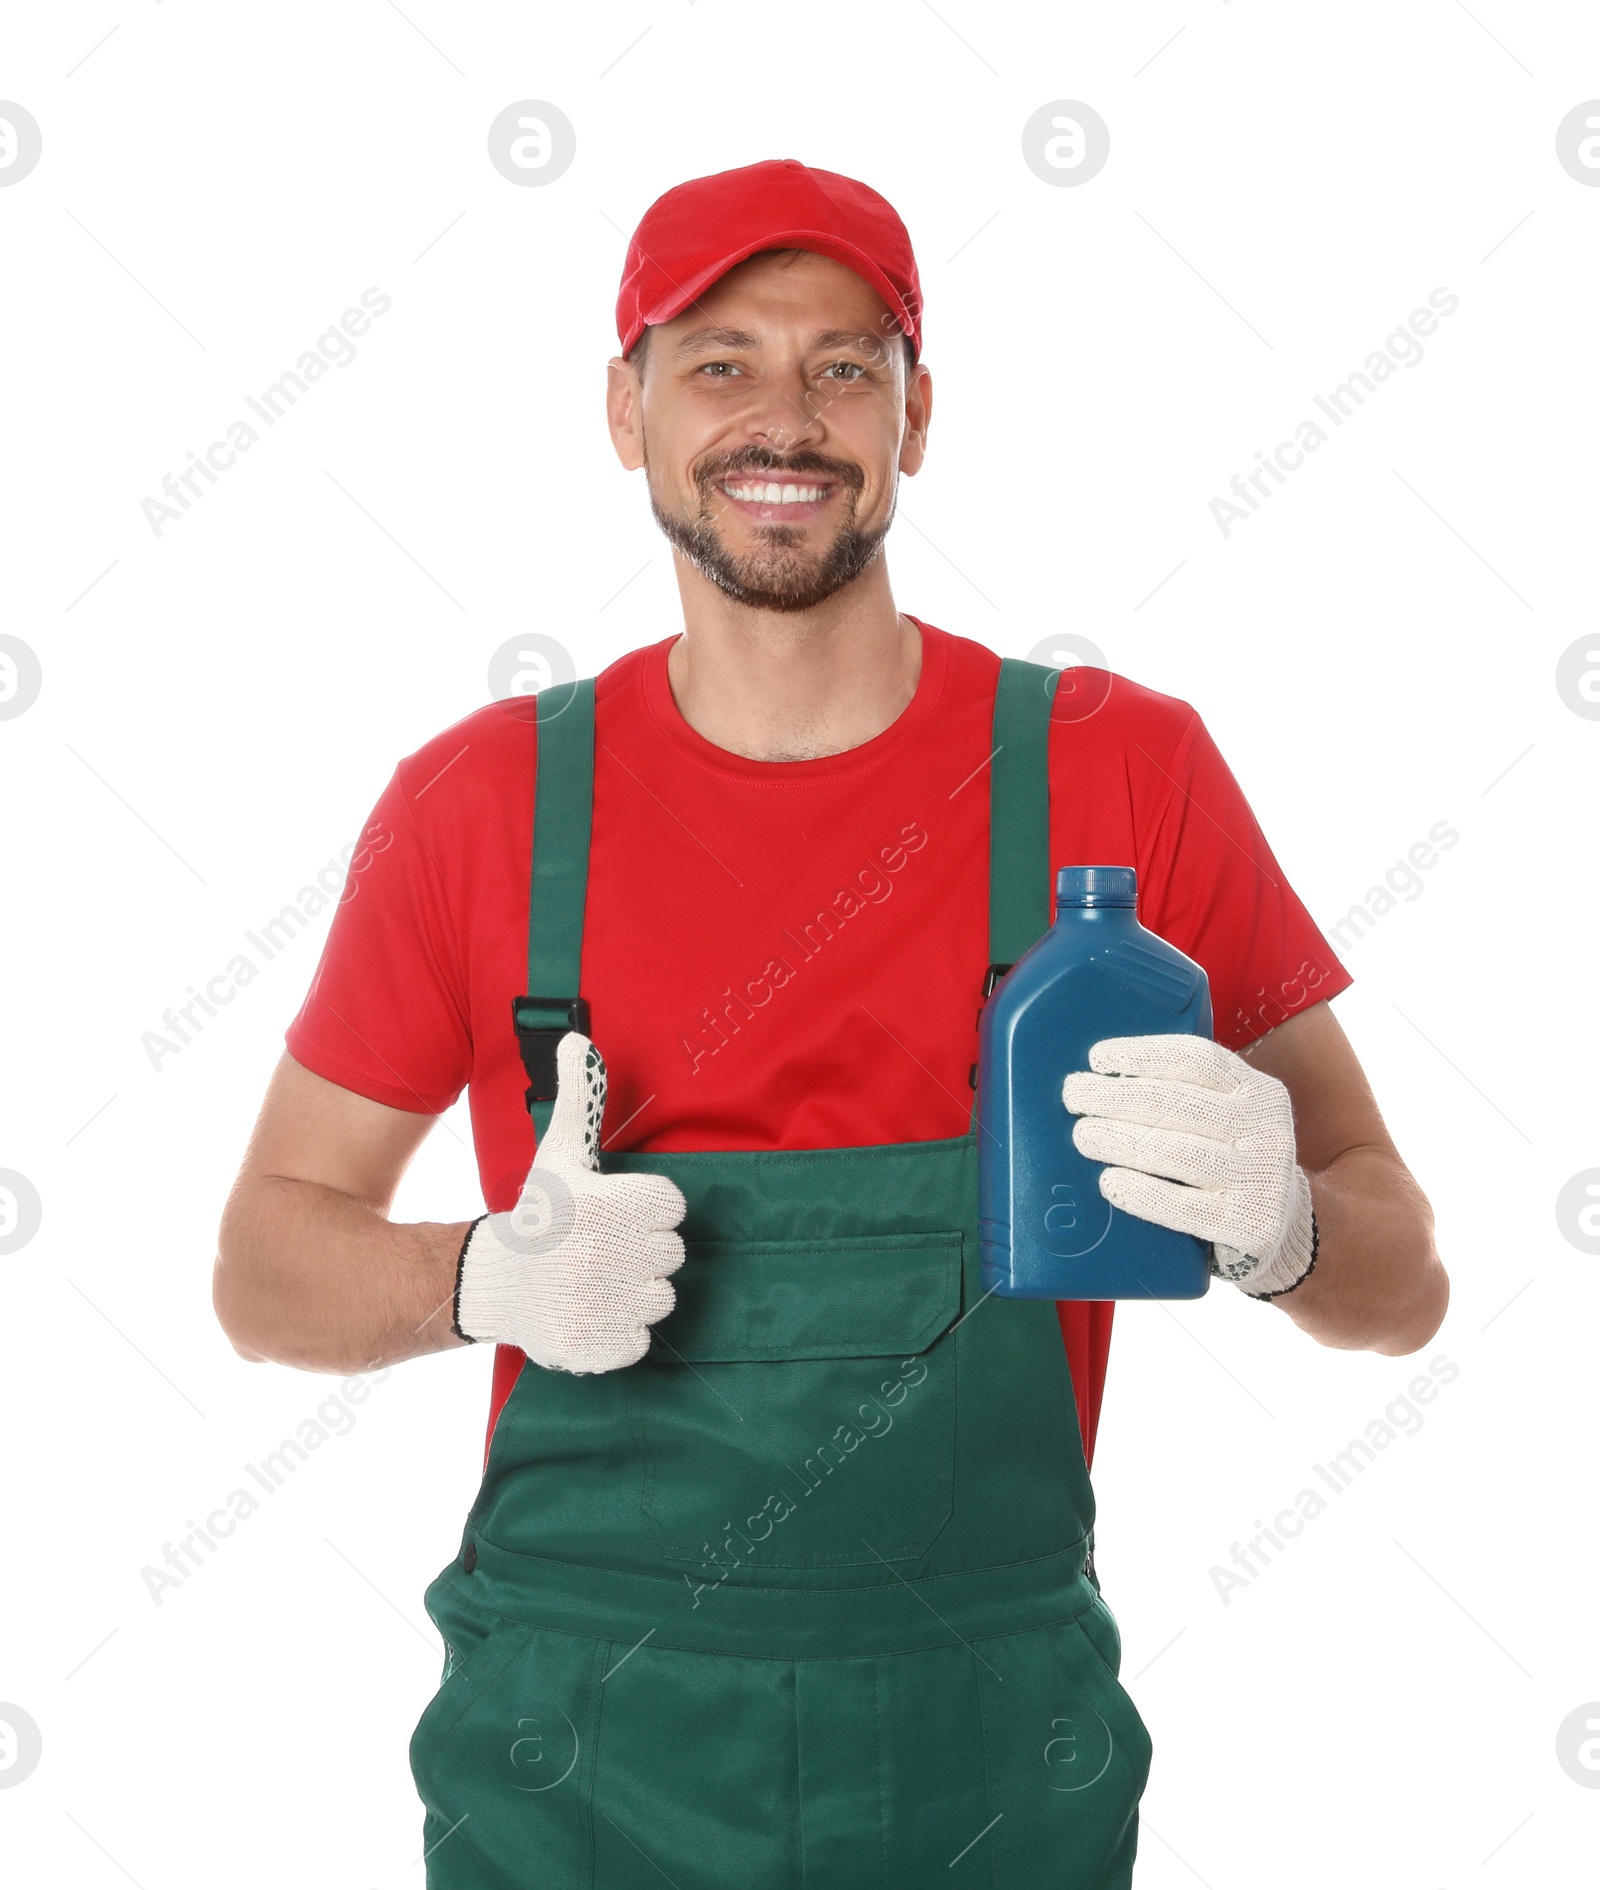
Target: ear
625,412
919,411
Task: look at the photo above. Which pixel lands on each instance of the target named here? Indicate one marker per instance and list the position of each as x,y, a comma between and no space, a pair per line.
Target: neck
782,686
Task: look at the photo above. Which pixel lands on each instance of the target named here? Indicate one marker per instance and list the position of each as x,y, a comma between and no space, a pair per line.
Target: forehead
793,291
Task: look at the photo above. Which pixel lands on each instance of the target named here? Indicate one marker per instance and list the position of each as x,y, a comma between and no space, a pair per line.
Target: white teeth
773,494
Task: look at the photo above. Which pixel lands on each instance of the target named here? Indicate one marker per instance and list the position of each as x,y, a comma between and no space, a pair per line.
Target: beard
781,575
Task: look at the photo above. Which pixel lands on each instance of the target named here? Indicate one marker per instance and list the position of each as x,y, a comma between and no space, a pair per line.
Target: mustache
761,459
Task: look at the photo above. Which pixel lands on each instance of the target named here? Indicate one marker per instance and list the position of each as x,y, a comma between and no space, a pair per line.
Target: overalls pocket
1098,1626
1067,1759
470,1637
798,1407
502,1756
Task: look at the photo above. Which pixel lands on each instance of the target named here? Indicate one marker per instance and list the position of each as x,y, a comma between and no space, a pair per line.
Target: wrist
461,1262
1315,1244
1297,1252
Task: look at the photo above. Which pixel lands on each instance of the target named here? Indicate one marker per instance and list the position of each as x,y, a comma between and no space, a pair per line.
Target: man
781,1565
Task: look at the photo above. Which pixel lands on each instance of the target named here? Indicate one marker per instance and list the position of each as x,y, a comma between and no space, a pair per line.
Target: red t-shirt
778,954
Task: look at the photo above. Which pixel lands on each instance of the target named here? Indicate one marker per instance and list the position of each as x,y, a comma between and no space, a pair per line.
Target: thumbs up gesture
576,1273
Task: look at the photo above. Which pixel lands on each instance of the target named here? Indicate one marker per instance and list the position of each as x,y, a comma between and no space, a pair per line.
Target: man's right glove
575,1274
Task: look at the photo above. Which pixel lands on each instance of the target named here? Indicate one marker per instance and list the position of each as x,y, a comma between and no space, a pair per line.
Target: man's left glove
1200,1142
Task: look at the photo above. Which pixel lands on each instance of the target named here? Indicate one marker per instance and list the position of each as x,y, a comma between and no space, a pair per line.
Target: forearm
315,1278
1378,1284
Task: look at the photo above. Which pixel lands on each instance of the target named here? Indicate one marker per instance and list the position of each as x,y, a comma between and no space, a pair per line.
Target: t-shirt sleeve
1218,893
386,1015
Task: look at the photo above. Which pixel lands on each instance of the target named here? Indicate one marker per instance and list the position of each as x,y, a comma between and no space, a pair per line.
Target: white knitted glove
1200,1142
575,1274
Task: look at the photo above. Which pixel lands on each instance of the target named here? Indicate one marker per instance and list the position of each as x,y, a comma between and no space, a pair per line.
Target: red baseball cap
700,230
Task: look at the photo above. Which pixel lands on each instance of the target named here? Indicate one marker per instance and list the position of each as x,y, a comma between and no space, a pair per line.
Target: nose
784,416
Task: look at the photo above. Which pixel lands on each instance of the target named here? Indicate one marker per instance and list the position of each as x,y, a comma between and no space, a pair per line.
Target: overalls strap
1019,813
558,881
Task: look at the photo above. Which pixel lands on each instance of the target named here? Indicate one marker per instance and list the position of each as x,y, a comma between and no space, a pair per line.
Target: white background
1374,649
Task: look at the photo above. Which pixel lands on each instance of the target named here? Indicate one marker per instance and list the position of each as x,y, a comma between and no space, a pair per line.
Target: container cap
1097,886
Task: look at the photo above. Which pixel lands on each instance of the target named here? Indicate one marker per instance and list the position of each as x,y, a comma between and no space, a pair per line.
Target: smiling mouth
776,499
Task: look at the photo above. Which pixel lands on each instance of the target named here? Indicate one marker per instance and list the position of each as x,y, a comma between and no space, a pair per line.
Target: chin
778,572
782,589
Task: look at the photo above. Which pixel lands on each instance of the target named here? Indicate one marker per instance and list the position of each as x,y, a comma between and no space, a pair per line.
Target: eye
848,370
719,370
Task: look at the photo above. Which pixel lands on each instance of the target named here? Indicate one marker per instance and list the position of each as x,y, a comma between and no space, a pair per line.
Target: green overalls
806,1597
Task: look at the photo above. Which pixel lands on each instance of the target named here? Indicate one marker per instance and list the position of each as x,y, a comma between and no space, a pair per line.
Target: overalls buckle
541,1023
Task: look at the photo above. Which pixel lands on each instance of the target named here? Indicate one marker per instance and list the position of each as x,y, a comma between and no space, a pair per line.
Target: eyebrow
701,340
849,338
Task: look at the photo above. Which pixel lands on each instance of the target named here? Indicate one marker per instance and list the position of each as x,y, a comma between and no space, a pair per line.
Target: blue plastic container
1045,1229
